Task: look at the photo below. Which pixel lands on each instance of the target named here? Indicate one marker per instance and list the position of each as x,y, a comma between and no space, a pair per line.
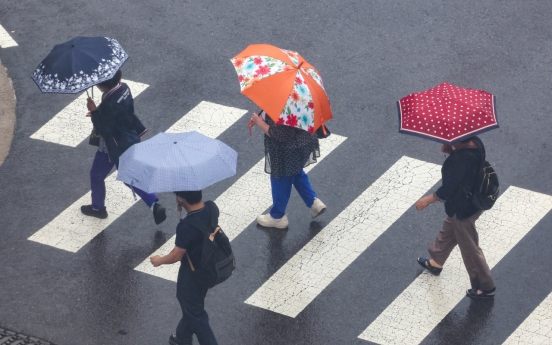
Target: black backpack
486,188
217,260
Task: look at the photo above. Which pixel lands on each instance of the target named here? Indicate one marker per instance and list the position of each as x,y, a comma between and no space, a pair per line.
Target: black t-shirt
189,237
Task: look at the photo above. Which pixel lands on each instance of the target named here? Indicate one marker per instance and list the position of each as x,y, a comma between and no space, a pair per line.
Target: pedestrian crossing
71,230
239,206
70,126
336,246
408,319
537,327
423,304
6,41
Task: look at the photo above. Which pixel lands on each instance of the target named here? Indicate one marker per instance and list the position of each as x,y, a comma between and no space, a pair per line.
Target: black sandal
425,264
485,294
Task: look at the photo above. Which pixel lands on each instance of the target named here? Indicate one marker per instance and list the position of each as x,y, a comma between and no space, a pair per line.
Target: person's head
188,198
109,84
464,143
470,142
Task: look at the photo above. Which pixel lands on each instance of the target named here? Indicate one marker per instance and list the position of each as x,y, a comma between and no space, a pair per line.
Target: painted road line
329,253
71,230
6,40
239,206
536,328
71,126
427,300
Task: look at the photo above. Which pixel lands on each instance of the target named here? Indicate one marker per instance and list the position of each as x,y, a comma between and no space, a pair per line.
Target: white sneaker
317,208
267,221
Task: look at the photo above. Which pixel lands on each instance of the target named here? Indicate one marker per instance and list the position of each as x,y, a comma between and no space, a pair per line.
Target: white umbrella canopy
171,162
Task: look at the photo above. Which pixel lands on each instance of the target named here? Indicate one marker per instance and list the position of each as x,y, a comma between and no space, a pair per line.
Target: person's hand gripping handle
91,106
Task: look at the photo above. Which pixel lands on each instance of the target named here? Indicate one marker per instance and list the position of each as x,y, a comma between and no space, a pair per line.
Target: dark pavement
370,54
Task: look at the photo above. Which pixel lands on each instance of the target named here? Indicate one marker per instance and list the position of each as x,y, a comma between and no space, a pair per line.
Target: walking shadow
464,330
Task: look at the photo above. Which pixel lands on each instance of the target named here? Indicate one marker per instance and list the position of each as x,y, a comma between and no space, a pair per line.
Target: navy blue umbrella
78,64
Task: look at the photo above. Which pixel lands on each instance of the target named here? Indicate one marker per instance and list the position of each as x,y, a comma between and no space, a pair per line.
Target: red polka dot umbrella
447,113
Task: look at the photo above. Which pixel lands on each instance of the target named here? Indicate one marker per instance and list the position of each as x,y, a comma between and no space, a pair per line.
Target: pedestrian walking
188,249
118,129
296,106
287,151
459,175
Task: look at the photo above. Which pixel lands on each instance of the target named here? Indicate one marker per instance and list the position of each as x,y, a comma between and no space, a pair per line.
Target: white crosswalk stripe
537,327
330,252
295,285
423,304
6,40
239,205
71,230
71,126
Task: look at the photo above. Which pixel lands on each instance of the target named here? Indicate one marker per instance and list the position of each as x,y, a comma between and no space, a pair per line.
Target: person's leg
281,191
148,198
184,332
474,259
197,320
100,169
302,185
444,244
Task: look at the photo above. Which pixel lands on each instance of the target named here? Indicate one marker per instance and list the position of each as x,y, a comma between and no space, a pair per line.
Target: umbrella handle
92,90
250,125
132,188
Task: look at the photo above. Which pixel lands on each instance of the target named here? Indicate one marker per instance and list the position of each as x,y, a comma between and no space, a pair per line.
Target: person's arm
259,122
426,201
454,170
174,256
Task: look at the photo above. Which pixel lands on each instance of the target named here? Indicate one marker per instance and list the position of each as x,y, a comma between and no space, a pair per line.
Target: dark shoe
485,294
159,213
425,264
88,210
173,340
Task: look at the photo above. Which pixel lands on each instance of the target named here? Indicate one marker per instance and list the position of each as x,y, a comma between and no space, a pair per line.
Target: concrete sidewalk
7,113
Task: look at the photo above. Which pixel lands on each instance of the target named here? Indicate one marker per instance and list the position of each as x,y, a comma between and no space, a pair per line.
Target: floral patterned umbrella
284,85
78,64
447,113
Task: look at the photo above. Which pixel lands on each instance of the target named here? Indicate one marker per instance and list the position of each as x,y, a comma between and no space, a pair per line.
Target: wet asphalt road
370,54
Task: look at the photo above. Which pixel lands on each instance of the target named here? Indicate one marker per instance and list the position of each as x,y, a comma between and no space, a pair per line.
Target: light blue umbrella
171,162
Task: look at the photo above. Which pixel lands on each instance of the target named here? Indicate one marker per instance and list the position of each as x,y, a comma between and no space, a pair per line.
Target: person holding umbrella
453,116
187,163
76,65
119,128
295,105
288,150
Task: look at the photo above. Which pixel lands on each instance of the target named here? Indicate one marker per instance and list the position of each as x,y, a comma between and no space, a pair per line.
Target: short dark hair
192,197
111,83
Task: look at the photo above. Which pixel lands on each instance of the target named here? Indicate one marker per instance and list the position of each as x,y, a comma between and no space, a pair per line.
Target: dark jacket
115,121
458,174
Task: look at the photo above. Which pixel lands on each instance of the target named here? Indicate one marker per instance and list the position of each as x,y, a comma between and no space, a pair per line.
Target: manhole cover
13,338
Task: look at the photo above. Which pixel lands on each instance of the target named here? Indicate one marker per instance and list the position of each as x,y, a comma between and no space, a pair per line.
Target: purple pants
100,169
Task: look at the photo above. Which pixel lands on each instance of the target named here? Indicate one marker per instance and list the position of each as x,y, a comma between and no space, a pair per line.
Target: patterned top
288,150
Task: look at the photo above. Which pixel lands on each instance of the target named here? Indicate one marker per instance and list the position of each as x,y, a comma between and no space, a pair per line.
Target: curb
7,113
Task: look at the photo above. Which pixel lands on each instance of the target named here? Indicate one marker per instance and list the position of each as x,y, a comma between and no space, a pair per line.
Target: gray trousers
463,233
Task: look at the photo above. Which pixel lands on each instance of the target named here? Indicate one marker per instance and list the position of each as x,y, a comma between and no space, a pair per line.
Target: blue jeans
281,191
195,320
100,169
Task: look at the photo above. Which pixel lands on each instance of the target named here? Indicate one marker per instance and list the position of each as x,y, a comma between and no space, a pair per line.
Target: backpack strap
203,228
190,262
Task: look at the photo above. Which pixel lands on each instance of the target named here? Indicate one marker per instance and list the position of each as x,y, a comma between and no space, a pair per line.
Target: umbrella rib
187,162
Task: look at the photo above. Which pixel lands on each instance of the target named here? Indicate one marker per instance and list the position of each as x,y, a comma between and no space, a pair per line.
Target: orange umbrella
284,85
